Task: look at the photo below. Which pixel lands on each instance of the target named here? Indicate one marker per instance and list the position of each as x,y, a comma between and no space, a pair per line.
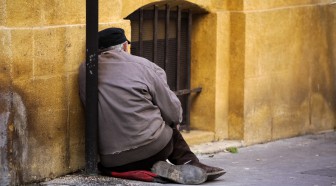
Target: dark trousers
176,151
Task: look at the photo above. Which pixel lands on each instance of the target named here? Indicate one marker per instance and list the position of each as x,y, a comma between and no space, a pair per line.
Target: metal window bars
163,35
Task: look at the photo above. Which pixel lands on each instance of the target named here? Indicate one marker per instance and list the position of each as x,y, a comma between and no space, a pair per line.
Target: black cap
111,37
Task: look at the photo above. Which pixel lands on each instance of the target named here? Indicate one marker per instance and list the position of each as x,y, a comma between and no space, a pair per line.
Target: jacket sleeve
165,99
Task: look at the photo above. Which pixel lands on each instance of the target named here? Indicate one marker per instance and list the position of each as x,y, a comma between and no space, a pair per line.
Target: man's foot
212,172
185,174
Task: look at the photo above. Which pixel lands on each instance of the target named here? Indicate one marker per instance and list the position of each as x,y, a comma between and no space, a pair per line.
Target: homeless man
138,115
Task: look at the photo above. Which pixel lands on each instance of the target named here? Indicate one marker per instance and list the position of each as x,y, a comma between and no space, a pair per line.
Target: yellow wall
267,69
42,122
289,83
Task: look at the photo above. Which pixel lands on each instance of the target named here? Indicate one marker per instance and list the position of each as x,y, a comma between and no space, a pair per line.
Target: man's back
135,104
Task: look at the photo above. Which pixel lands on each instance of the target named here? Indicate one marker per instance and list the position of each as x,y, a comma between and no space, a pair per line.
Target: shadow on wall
13,138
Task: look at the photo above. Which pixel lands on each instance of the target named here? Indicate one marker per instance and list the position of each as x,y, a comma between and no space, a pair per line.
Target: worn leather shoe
184,174
211,172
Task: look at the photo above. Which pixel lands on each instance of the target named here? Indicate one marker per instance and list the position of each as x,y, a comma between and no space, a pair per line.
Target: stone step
202,142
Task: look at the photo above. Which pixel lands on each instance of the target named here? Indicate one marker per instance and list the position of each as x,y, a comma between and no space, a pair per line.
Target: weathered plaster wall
42,44
203,105
279,77
289,75
210,70
332,38
222,75
236,78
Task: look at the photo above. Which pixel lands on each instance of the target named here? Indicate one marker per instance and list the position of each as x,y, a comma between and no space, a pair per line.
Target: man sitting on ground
138,115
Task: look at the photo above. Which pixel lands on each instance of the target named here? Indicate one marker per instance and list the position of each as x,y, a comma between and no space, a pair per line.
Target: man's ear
125,47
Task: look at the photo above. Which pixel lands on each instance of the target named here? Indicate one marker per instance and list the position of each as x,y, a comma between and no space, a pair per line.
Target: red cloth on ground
140,175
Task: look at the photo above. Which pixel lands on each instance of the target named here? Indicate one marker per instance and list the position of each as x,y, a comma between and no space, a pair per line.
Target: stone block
76,143
47,144
40,12
74,12
322,113
258,110
288,89
75,47
230,5
76,125
203,72
50,12
109,11
235,5
21,14
258,125
271,51
291,105
129,7
43,93
49,51
74,101
222,75
2,12
196,137
237,71
290,120
272,4
5,59
54,12
259,92
22,44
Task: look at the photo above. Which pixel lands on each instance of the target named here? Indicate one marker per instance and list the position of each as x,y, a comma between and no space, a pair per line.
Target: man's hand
178,126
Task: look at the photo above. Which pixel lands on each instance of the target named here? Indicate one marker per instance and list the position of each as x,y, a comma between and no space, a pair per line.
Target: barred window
162,35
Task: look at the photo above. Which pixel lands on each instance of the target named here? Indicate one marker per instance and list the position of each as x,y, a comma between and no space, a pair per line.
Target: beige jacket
135,107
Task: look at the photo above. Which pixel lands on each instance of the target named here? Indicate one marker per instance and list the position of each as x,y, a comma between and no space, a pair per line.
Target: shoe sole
184,174
215,175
